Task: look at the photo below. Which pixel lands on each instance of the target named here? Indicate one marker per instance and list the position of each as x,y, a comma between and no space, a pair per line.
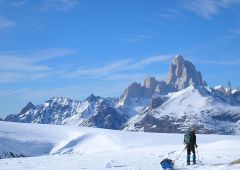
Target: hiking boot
194,162
188,163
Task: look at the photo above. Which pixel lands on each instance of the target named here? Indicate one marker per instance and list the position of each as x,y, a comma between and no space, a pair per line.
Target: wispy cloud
63,5
33,66
209,8
147,61
19,3
20,67
118,66
101,71
11,92
6,23
233,33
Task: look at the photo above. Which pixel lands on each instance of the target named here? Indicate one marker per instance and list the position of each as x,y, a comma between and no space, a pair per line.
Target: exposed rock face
134,90
27,108
12,118
107,118
163,88
149,86
183,73
11,155
15,118
93,98
157,101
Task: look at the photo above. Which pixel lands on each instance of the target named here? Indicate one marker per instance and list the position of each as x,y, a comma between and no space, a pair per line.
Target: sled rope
179,155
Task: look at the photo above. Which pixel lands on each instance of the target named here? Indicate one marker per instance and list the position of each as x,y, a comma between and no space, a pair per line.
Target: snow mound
87,143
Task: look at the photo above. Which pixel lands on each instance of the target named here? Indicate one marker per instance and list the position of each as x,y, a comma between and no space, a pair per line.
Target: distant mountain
199,107
62,110
183,100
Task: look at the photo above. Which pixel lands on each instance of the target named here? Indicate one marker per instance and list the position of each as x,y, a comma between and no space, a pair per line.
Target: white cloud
51,53
101,71
6,23
118,66
20,67
19,3
12,92
29,62
147,61
233,33
209,8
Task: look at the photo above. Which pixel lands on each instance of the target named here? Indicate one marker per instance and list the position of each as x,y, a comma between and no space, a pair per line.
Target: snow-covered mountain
198,107
94,111
181,101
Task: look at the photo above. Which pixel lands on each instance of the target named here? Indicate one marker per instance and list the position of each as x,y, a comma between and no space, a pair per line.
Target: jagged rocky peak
220,88
183,73
150,82
93,98
134,90
27,107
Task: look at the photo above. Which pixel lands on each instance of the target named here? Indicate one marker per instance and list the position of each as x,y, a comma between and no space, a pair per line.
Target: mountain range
181,101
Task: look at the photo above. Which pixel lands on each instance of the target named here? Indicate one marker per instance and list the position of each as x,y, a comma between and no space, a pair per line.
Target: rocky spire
229,89
183,73
150,84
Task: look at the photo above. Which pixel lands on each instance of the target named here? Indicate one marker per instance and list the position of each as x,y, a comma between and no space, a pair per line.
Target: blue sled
167,164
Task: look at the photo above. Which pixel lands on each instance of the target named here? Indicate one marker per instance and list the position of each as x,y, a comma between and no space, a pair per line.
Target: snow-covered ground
66,147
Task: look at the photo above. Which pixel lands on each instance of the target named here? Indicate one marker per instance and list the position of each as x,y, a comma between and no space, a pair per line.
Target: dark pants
191,148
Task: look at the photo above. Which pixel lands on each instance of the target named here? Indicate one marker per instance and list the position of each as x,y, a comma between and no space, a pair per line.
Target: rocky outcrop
107,117
183,73
134,90
4,155
12,118
149,86
27,108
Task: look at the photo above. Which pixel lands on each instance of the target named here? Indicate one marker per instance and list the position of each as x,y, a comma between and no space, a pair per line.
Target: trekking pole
198,155
179,155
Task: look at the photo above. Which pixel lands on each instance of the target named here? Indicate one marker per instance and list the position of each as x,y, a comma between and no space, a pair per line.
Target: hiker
190,141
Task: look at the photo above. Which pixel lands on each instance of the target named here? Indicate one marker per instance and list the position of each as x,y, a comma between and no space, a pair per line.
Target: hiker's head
193,129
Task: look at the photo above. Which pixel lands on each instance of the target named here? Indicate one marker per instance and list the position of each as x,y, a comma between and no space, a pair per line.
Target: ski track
77,148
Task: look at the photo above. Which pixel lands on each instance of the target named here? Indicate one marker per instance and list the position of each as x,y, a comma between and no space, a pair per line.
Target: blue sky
76,47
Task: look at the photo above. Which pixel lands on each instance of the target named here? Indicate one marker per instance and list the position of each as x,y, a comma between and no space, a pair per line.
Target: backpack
187,137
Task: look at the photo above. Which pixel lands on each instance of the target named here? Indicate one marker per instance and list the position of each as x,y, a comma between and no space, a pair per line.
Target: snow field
67,147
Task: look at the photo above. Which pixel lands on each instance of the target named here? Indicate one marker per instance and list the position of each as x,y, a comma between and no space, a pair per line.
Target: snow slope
67,147
190,107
